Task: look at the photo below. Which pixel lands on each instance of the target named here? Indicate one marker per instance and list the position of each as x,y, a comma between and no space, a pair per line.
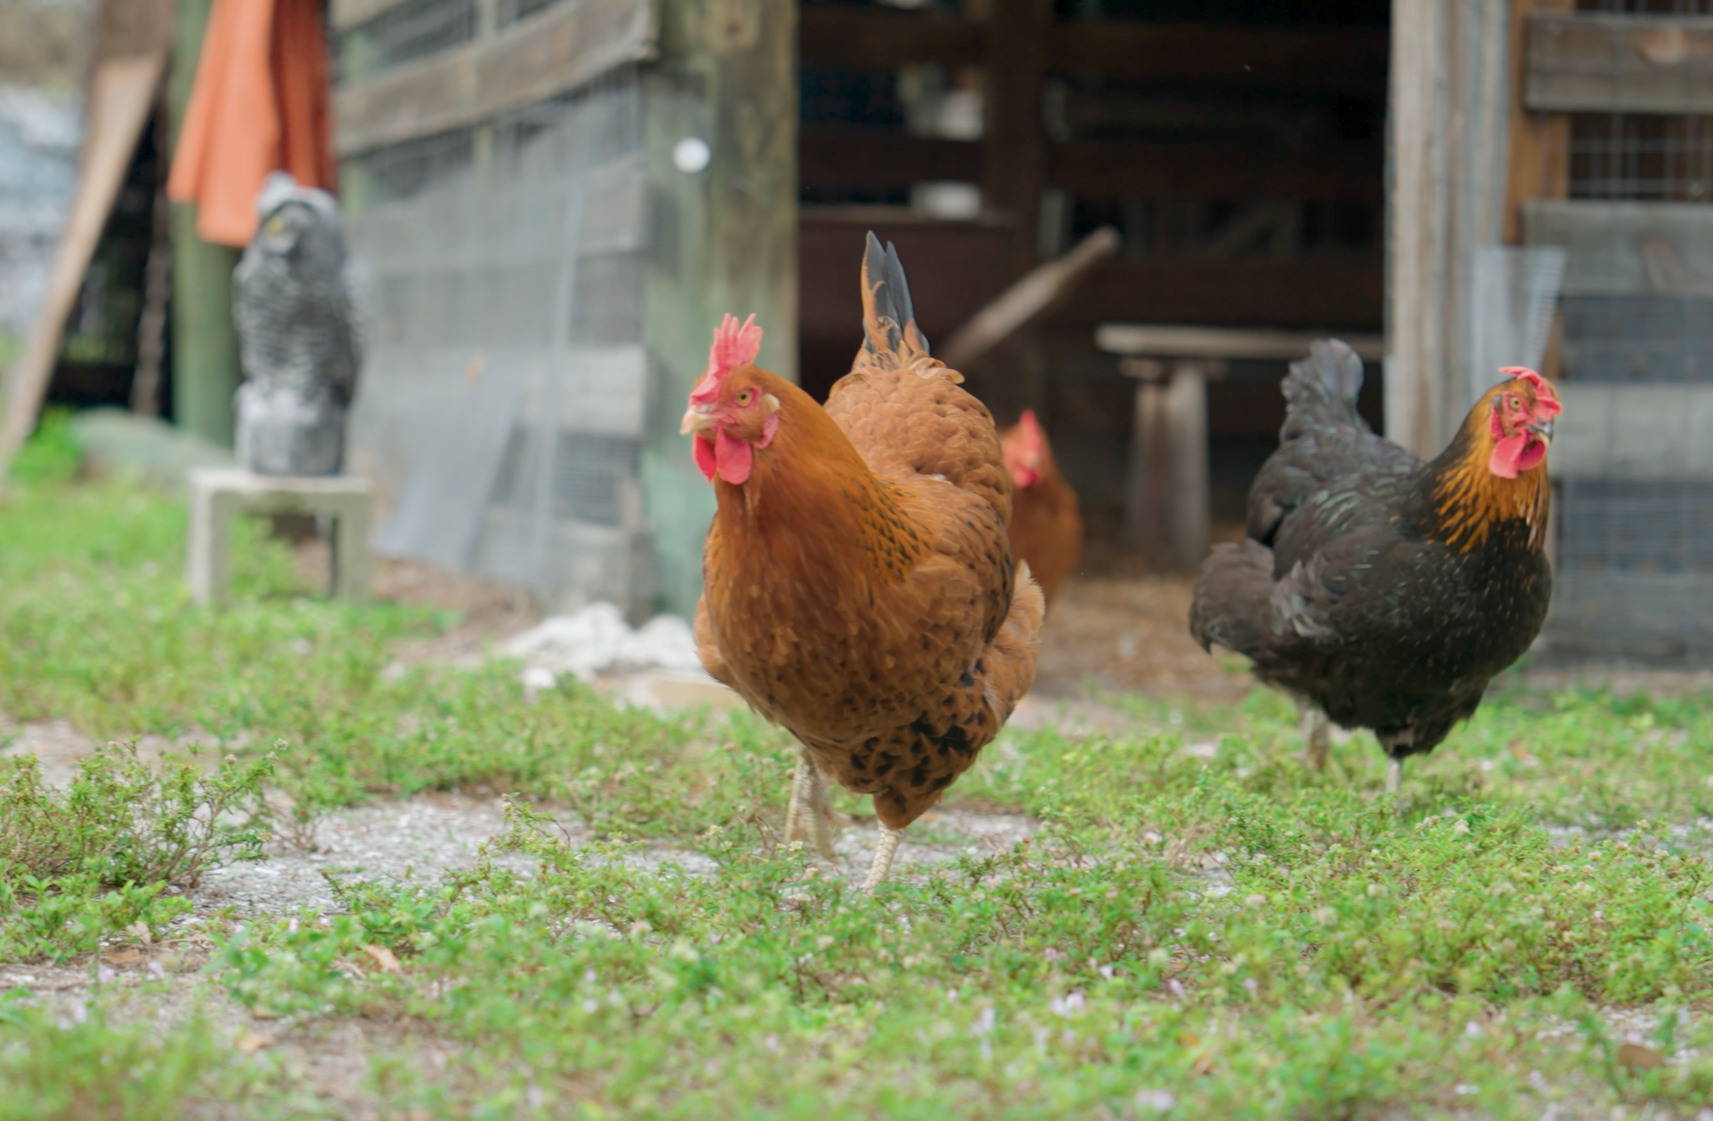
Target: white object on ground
597,640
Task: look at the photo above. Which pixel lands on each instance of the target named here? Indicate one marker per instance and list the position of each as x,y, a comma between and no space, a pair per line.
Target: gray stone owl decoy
297,334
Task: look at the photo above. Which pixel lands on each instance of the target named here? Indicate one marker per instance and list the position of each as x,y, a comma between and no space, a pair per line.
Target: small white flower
772,1044
1156,1101
1067,1006
1474,1030
983,1023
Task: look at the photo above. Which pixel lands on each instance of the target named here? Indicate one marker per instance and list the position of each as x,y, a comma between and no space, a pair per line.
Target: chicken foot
883,854
809,799
1317,734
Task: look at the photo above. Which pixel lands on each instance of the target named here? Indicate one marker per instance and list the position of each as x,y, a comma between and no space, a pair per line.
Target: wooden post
1539,155
1415,218
1014,143
726,236
1167,510
1184,412
1144,501
205,342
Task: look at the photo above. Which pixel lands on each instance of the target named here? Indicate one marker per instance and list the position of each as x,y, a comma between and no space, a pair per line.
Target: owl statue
297,334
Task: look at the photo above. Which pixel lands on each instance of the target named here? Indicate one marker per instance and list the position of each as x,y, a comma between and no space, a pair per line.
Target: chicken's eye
1513,402
746,397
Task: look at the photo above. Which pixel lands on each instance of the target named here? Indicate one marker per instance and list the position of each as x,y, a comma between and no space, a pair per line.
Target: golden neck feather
811,491
1468,502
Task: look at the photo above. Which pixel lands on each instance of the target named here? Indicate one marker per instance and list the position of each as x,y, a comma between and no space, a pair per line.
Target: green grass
1185,937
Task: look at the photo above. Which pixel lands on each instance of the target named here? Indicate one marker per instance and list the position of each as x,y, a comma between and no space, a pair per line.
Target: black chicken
1380,590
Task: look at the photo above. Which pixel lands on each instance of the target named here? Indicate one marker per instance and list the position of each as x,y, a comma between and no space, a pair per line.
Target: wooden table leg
1168,498
1184,415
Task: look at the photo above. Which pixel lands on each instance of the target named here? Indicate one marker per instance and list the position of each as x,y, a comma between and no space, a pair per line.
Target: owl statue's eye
276,225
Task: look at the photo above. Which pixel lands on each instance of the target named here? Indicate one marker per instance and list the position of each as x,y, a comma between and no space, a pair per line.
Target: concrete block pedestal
219,494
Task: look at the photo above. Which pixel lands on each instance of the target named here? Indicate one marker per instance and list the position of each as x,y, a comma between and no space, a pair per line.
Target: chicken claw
809,797
1317,734
883,853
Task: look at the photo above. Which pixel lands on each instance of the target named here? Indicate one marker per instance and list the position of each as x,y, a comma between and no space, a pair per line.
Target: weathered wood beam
1589,62
123,94
873,159
1168,341
562,48
1028,301
1653,433
1110,169
1188,54
346,14
1627,248
883,159
878,37
1539,142
1014,138
1332,293
1326,59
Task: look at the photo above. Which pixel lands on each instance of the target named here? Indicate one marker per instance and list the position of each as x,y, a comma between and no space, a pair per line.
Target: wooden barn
554,201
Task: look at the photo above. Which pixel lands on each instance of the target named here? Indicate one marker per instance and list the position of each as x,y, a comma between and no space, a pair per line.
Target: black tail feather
889,317
1328,381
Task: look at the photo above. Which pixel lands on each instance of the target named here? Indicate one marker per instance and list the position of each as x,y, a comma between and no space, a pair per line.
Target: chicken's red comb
734,345
1546,397
1030,427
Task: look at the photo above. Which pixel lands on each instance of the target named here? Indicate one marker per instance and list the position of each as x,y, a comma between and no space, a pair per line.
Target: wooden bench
218,494
1168,499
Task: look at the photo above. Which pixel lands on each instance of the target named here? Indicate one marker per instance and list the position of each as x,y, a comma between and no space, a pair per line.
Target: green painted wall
725,237
205,343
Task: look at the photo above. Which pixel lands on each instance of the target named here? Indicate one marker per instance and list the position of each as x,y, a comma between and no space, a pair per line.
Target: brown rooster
858,587
1046,521
1381,590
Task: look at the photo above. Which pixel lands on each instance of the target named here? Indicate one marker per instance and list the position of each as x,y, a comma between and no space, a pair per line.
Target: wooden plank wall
532,60
1598,62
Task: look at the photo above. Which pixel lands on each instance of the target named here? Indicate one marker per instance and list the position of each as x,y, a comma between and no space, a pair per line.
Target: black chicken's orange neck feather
811,475
1467,501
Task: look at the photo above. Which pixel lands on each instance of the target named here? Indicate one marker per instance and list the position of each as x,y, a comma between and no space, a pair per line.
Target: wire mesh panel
1634,565
503,404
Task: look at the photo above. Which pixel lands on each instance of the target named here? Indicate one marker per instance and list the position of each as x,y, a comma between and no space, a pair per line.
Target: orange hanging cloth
259,105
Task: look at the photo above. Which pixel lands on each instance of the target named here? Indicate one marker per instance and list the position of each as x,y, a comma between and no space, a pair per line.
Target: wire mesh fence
1633,80
503,402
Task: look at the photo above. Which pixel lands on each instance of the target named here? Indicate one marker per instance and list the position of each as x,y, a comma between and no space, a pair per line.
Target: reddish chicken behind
858,586
1046,519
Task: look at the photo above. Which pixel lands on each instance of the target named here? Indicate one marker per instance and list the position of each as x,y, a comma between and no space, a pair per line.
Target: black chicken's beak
1543,429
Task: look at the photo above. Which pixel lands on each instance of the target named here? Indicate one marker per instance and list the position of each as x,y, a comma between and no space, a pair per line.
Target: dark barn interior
1237,145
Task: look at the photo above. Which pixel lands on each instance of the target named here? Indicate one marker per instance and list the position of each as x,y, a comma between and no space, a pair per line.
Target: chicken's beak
1543,429
697,418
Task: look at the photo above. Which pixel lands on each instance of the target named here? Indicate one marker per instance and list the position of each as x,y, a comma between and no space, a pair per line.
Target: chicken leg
1394,775
883,854
1317,734
809,799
